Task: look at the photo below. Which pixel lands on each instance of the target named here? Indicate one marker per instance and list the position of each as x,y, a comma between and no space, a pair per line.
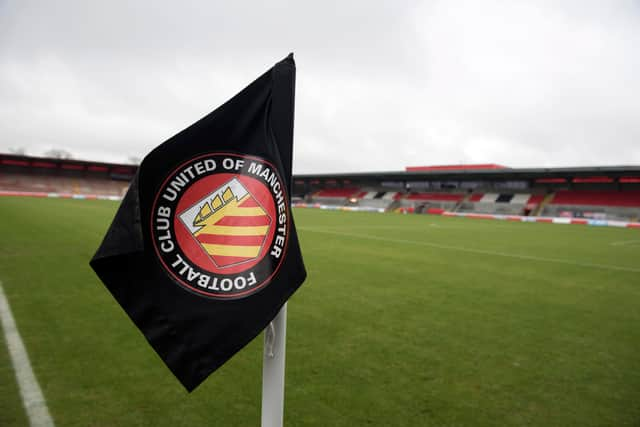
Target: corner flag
203,251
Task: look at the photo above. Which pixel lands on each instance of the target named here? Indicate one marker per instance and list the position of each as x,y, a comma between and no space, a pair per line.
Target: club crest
219,225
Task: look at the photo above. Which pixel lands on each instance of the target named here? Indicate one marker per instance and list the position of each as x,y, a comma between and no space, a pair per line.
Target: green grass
405,320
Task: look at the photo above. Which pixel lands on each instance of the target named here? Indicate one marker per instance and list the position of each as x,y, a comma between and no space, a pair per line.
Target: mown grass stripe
477,251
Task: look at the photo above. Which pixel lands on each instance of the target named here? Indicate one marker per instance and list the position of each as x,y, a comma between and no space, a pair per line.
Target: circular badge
219,224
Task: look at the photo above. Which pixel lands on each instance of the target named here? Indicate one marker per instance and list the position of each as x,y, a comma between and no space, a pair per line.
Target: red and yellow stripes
236,232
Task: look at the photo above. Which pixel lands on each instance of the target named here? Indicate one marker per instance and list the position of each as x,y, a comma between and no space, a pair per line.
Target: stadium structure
49,177
606,195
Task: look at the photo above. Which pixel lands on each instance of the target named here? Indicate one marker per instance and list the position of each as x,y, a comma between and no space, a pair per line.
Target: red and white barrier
514,218
59,195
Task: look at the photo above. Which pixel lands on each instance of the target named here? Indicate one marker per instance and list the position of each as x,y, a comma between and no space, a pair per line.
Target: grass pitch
405,320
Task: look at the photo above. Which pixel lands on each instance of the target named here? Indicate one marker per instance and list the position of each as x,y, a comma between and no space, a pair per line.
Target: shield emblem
229,224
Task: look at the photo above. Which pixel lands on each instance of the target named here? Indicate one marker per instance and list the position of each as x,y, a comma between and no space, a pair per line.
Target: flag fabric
203,251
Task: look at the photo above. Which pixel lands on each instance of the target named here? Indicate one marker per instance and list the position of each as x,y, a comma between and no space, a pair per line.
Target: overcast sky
380,85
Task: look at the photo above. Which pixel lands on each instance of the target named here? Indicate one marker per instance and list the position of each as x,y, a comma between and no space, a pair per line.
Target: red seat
597,198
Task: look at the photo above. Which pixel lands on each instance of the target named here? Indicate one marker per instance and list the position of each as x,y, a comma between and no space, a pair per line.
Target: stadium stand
442,197
338,193
596,204
489,189
64,178
335,196
428,202
501,203
375,200
62,185
594,193
597,198
353,197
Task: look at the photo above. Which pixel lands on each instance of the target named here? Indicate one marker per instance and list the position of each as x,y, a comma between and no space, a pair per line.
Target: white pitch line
32,397
625,242
480,251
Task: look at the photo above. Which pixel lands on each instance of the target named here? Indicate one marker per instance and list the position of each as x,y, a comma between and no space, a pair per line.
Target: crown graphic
212,206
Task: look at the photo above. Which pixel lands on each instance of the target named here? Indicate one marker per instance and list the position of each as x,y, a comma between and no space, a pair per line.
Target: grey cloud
381,85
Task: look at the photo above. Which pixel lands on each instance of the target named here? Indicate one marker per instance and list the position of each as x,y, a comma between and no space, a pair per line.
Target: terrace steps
547,199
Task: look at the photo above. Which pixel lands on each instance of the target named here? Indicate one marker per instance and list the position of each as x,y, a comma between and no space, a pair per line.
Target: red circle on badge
225,222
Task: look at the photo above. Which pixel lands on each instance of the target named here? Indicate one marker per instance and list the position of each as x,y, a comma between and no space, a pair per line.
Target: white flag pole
275,336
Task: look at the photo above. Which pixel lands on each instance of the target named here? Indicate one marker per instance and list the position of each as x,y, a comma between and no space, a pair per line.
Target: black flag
203,252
